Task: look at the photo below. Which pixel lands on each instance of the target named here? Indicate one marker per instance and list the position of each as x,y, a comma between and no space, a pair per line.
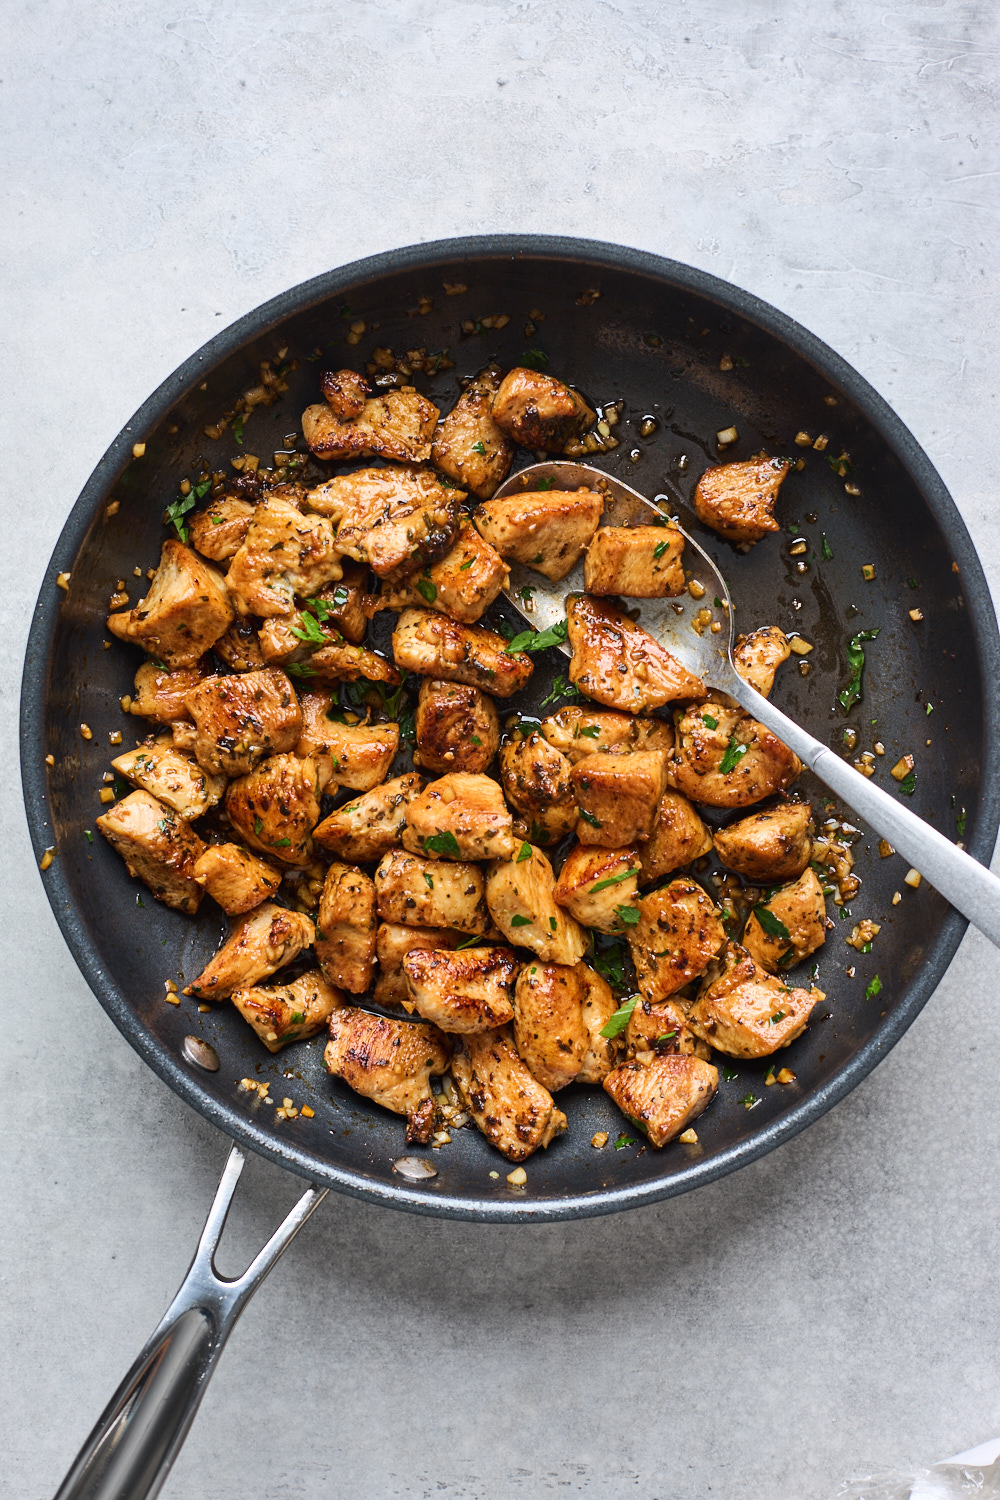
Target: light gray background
168,166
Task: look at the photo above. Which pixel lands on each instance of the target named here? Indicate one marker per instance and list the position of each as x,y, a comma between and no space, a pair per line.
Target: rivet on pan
413,1168
202,1053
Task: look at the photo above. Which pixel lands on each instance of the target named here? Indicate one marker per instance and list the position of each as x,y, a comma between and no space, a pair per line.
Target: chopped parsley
475,740
467,565
561,688
538,640
522,854
623,1141
908,783
960,824
589,818
709,721
480,448
238,428
772,925
825,550
729,1075
749,1101
258,827
469,942
518,921
322,610
534,359
281,843
296,1018
874,988
308,629
602,885
660,548
545,484
427,589
851,694
611,966
90,836
628,915
443,843
734,754
587,732
617,1023
177,511
429,880
300,669
779,1015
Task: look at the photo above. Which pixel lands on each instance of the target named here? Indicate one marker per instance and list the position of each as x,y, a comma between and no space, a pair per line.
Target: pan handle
130,1451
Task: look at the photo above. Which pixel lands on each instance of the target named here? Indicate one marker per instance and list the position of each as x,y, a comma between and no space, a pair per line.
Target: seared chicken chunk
585,731
618,663
746,1012
276,807
243,718
758,656
368,826
239,648
172,777
158,848
468,445
637,562
724,758
346,393
161,695
598,1008
549,1030
456,727
396,425
183,736
737,500
283,1013
536,781
293,638
390,518
547,530
393,941
768,846
462,584
360,754
519,896
678,838
433,646
184,613
461,992
421,893
342,605
539,411
219,531
797,925
618,796
390,1062
664,1096
511,1108
344,662
284,553
593,883
258,945
345,928
234,878
459,817
678,933
662,1027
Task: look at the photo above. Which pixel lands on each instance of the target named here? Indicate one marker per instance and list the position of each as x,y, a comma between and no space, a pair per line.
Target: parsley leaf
611,966
427,589
518,921
300,669
177,511
851,694
281,843
623,1141
617,1023
480,448
322,610
534,359
709,721
443,843
874,988
308,629
561,688
545,484
734,754
602,885
729,1074
589,818
258,827
469,942
824,551
660,548
772,925
430,882
522,854
960,824
629,915
538,640
238,428
749,1101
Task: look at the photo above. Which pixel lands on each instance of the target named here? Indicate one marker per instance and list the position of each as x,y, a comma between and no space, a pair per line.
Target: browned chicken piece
434,646
171,776
511,1108
184,613
768,846
547,530
390,1062
619,664
294,638
598,1008
758,656
456,727
360,754
234,878
462,584
276,807
664,1096
243,718
391,518
746,1012
393,941
239,648
158,848
538,411
586,731
662,1027
618,796
678,838
536,781
724,758
459,816
343,605
345,928
283,1013
549,1030
284,553
219,531
346,393
797,926
468,445
368,826
183,736
678,933
345,662
637,562
259,944
461,992
334,615
519,896
593,883
421,893
397,425
737,500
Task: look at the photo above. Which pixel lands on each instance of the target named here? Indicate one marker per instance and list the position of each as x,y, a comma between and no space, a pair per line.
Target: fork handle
964,882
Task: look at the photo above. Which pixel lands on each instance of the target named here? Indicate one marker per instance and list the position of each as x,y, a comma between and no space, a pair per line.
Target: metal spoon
959,878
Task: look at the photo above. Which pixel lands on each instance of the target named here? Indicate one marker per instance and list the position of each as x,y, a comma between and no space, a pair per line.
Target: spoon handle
964,882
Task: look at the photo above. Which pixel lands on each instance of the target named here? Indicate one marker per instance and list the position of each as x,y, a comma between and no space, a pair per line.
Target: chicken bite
346,392
283,1013
393,941
284,553
768,846
185,611
462,584
618,796
424,893
459,817
578,732
456,727
653,1029
343,662
598,1008
239,648
396,425
788,926
434,646
549,1030
724,758
360,754
758,656
679,837
509,1106
368,826
519,897
161,695
468,445
593,883
276,807
536,781
737,500
547,530
678,933
259,944
390,1062
663,1097
637,562
219,531
158,848
746,1012
345,928
539,411
619,664
170,776
390,519
234,878
241,719
464,992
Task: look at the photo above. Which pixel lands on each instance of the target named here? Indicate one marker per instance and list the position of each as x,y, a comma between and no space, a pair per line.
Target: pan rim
269,315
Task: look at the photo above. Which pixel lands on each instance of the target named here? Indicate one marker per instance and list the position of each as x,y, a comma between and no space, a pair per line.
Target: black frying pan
653,338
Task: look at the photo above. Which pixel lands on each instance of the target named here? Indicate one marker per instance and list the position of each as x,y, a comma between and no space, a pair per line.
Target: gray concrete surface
169,166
